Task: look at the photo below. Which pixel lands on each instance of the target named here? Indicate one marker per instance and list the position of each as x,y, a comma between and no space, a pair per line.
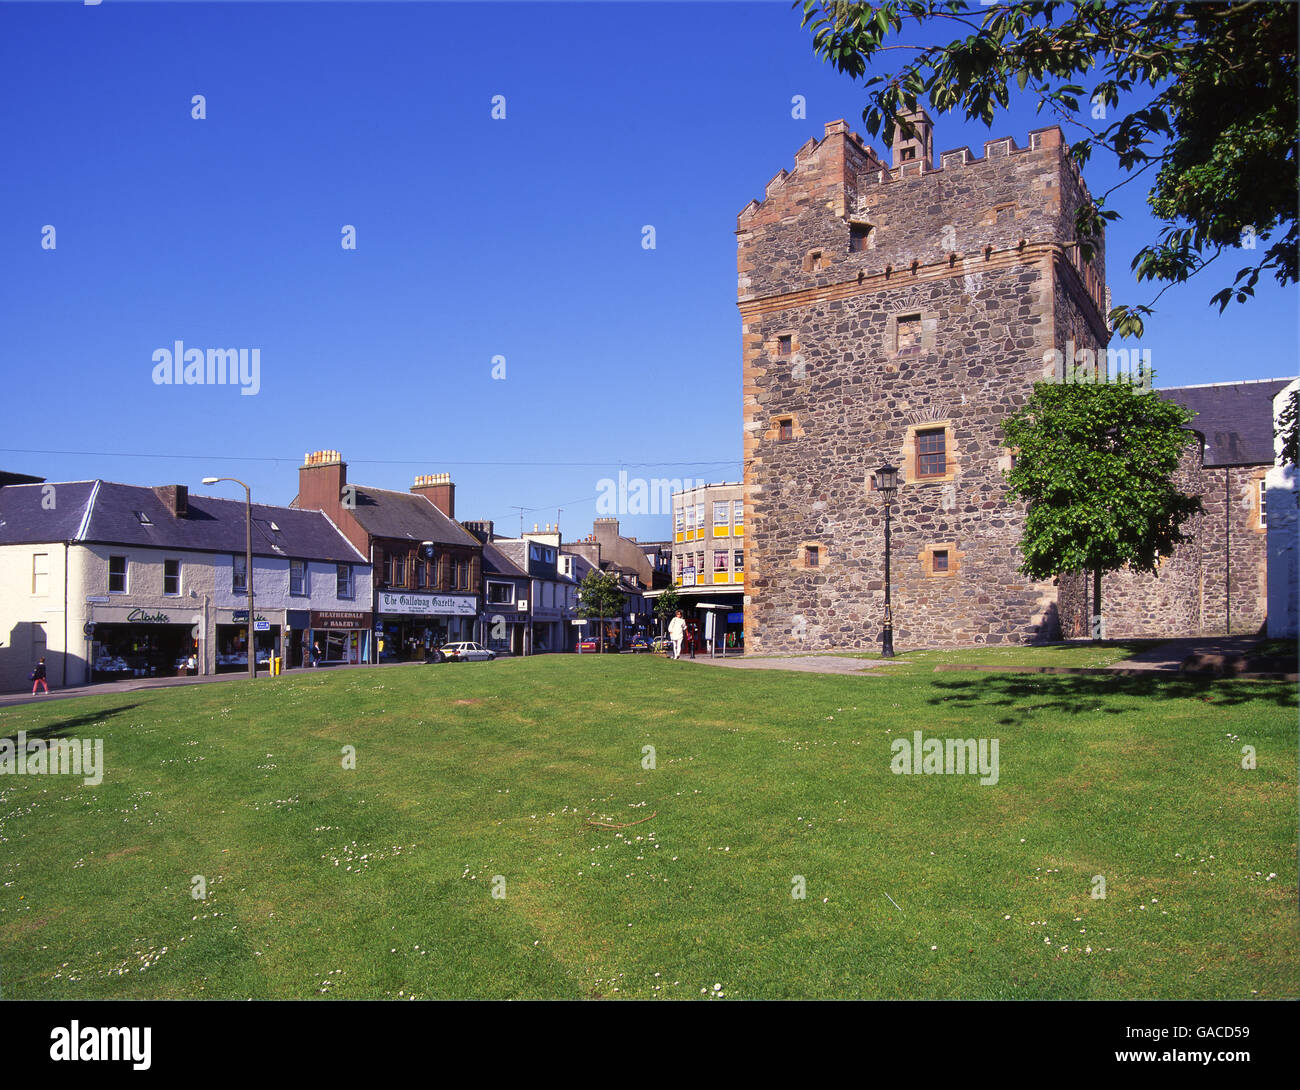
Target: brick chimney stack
175,497
321,479
438,489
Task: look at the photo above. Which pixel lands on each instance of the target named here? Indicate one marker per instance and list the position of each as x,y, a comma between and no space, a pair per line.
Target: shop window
501,593
932,452
908,334
117,575
171,577
41,574
239,574
343,576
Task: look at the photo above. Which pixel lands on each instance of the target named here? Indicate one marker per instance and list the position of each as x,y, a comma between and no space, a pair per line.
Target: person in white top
677,630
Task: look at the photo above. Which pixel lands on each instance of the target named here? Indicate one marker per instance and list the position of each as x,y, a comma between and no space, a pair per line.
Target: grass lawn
1084,654
377,881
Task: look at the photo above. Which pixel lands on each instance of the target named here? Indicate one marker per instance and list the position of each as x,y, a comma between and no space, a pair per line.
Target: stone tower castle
897,314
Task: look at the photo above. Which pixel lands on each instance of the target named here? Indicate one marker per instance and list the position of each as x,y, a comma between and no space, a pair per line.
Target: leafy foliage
599,596
1095,464
1290,428
1215,110
668,603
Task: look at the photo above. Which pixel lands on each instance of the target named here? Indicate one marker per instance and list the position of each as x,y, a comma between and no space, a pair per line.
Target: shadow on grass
1075,694
64,727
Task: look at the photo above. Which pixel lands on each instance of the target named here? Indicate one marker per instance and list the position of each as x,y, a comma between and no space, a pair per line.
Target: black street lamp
248,566
885,481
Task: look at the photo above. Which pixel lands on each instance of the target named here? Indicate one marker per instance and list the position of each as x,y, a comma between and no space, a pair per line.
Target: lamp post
885,481
248,566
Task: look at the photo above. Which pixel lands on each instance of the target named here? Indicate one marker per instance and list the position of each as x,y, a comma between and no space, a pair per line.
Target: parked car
591,645
466,652
662,645
639,644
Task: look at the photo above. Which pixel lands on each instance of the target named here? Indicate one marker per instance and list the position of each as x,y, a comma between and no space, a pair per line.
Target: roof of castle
1234,418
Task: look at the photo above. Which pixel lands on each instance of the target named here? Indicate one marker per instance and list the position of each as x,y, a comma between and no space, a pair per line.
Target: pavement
1171,656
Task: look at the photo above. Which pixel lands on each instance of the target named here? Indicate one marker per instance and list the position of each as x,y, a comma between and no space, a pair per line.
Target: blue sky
476,238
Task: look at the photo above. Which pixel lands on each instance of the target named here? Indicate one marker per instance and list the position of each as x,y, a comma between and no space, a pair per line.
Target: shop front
232,640
343,636
408,627
143,642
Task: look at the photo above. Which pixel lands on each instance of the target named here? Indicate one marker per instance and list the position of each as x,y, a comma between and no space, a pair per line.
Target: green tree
1095,463
1289,425
668,603
599,596
1210,91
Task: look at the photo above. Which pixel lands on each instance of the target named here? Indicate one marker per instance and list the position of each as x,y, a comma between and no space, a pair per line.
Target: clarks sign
454,605
140,616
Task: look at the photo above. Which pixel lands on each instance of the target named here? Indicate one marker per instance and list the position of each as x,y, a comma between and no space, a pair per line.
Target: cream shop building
109,581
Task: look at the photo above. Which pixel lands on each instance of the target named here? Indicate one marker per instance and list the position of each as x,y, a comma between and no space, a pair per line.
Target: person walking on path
315,654
38,677
676,630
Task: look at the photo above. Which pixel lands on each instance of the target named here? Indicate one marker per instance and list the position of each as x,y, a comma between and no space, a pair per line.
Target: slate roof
385,513
24,519
513,551
1234,418
496,562
103,512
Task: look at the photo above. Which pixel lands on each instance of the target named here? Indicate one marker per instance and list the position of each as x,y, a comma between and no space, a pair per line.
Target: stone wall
975,251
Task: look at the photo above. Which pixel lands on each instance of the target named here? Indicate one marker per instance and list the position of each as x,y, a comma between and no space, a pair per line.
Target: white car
466,652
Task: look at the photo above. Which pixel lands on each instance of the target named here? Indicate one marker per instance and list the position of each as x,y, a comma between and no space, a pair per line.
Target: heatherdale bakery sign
454,605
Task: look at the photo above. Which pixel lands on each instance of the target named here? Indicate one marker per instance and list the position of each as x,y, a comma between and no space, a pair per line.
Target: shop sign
339,619
140,616
261,626
454,605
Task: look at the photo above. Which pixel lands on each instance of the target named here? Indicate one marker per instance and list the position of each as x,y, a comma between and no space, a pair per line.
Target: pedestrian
676,630
315,654
38,677
692,638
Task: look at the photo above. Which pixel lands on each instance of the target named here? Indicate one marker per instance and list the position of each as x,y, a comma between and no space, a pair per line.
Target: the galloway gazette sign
453,605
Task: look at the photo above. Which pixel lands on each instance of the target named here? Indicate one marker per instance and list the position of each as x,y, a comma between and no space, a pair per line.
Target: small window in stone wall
909,334
908,153
785,344
811,556
815,261
932,452
1263,503
859,234
939,560
785,428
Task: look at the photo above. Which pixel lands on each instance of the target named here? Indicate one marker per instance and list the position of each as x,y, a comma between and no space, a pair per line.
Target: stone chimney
438,490
175,497
919,146
483,529
321,479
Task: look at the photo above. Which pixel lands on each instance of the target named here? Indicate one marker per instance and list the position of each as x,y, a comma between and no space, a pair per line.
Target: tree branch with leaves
1213,93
